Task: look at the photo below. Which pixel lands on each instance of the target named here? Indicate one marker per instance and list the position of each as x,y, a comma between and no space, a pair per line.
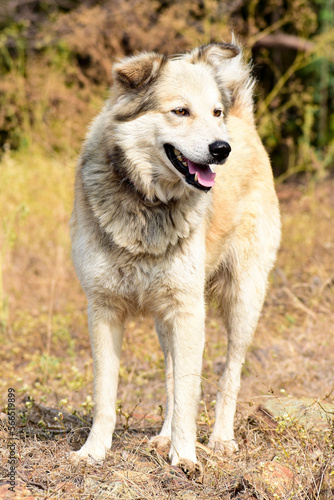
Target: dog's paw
75,458
191,469
222,447
91,457
161,443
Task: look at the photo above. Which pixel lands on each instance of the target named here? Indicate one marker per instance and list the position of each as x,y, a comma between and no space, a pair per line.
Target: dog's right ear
137,72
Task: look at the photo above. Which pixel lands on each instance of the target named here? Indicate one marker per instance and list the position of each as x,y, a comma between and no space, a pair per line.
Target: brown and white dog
174,202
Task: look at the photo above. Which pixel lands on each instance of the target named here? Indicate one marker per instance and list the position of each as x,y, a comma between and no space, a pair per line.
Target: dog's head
168,118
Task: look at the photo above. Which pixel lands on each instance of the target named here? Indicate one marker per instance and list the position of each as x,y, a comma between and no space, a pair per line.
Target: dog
174,204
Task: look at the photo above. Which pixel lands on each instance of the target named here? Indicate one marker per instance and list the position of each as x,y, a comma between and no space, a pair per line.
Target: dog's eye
181,111
217,112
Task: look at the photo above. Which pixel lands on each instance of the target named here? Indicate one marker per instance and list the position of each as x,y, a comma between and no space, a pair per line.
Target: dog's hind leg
241,302
106,334
162,441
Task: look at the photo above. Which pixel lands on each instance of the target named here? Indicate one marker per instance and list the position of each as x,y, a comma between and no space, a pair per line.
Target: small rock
273,480
310,413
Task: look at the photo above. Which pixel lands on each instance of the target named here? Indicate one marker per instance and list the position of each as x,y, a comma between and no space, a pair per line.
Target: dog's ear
137,72
213,53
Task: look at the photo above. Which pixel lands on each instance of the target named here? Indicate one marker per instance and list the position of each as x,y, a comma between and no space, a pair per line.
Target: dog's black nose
219,150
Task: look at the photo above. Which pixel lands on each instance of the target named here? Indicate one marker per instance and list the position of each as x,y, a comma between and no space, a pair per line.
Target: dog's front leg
187,343
106,334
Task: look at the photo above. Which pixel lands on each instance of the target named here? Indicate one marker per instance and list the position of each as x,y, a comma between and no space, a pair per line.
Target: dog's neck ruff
133,222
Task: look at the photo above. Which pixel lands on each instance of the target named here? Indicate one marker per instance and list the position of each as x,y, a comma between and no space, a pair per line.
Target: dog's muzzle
198,175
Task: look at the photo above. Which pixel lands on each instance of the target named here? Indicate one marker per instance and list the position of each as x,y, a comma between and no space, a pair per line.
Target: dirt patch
46,356
271,464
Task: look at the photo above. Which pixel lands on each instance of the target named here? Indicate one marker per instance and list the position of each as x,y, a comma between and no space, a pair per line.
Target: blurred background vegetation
55,69
56,56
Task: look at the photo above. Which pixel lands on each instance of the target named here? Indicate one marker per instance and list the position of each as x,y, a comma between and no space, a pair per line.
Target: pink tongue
205,175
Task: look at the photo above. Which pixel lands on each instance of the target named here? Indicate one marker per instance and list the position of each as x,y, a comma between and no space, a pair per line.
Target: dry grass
46,355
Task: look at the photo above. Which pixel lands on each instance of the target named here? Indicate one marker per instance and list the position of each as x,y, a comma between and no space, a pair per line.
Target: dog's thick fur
153,238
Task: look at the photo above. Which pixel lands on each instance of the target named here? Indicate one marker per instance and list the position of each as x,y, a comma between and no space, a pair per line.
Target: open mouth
197,174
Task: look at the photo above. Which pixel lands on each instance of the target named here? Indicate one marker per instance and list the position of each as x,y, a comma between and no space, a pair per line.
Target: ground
46,358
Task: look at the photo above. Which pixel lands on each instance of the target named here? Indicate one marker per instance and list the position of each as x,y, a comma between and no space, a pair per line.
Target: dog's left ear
213,53
137,72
